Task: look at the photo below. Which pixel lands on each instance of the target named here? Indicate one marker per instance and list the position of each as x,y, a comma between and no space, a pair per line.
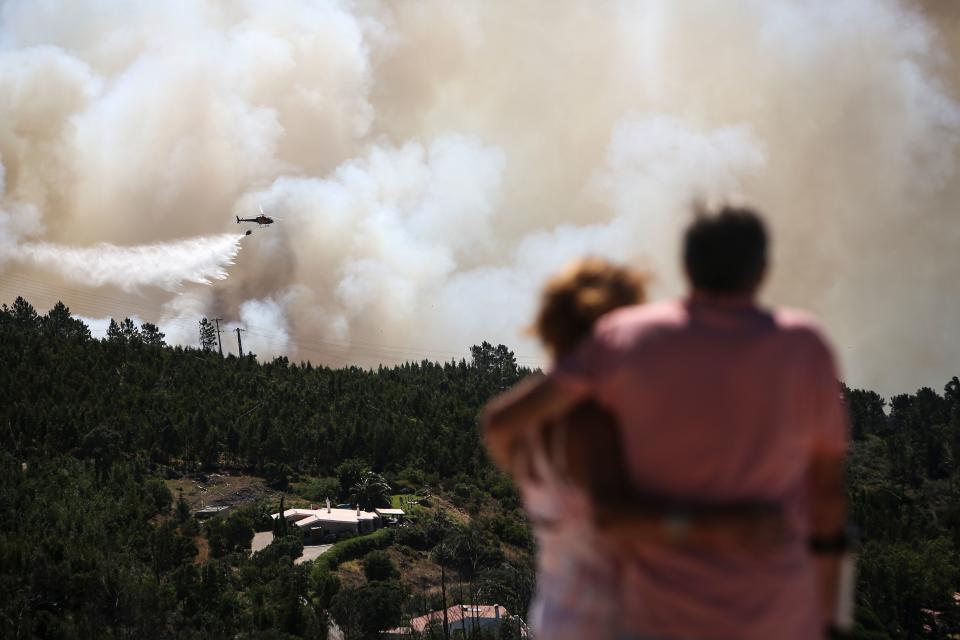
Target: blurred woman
566,464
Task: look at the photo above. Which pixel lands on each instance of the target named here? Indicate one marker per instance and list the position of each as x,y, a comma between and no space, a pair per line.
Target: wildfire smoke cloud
430,163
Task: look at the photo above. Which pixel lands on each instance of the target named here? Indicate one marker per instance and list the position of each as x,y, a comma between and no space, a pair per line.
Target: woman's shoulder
640,319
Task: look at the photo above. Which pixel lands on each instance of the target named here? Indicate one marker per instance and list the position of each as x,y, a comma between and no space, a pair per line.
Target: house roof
456,613
307,521
391,512
322,515
294,512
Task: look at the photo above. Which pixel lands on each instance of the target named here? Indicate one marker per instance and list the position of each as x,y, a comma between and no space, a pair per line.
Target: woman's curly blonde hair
574,300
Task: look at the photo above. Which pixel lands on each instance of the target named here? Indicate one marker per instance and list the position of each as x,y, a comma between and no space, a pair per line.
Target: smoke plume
428,164
165,265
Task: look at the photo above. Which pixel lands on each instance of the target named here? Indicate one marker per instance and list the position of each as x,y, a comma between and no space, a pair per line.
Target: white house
328,522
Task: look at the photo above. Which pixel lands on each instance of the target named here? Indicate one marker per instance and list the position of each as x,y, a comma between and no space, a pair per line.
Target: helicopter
261,219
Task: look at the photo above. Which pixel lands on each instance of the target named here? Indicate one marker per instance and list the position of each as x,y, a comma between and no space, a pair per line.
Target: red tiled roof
456,613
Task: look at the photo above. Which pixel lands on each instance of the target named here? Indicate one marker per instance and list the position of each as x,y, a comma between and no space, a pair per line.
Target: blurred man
719,402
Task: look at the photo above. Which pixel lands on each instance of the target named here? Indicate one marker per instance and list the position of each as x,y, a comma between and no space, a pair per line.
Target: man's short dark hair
725,251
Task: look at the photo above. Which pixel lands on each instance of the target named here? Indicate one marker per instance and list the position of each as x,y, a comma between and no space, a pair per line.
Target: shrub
288,548
462,493
277,476
319,489
412,476
505,492
369,609
233,533
377,565
325,585
413,535
353,548
160,494
512,531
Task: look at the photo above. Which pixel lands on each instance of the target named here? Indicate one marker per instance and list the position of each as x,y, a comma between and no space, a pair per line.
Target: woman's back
570,464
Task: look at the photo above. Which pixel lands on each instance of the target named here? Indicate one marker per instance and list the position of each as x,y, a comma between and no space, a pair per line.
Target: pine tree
208,335
24,315
183,509
58,322
151,334
130,332
113,332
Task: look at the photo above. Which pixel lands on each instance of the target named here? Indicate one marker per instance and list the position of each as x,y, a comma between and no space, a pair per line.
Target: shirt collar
706,299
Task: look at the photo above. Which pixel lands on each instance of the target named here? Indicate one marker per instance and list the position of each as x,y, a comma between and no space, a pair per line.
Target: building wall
339,528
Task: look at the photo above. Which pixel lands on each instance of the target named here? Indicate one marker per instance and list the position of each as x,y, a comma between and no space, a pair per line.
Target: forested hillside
93,543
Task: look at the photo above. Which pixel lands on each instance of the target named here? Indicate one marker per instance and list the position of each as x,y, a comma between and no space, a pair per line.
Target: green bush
512,530
288,548
230,534
353,548
412,476
413,535
319,489
462,493
277,475
259,513
160,493
505,492
324,584
368,610
377,565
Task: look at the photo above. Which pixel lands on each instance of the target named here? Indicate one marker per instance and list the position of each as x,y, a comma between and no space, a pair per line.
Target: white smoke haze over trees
430,163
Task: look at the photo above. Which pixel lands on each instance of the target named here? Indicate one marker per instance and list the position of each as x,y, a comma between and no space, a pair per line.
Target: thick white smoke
430,163
17,221
165,265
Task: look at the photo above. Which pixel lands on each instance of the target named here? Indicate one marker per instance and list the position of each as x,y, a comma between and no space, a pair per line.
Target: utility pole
219,344
239,343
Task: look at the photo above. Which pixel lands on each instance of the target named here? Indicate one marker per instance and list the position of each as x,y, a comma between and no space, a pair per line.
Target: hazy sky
430,163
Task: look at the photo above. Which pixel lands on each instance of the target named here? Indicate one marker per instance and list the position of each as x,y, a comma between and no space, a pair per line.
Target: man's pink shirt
717,401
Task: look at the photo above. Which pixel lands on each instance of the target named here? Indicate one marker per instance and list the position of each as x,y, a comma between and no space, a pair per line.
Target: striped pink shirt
720,401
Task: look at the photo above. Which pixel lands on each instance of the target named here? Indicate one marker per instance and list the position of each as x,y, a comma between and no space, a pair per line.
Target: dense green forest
93,542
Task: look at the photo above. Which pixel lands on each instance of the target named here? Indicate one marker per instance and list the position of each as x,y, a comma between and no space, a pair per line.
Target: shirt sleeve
830,416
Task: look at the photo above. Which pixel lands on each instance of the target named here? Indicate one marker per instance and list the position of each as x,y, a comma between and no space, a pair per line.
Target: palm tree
370,491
